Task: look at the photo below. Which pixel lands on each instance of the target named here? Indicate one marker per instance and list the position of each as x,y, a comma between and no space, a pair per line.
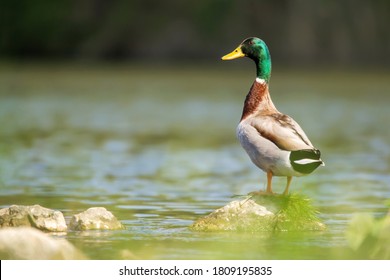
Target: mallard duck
274,141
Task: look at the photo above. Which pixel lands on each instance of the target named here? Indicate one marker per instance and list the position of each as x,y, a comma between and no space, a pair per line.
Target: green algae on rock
260,212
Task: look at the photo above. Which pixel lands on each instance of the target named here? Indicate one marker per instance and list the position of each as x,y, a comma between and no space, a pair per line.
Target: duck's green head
257,50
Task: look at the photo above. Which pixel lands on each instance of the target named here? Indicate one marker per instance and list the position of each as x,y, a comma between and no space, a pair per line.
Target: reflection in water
159,154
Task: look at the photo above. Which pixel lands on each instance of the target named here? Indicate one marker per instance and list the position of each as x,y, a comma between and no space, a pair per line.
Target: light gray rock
33,216
242,207
95,218
26,243
235,216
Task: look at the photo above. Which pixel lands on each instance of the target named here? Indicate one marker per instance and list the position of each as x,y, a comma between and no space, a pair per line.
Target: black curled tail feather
305,161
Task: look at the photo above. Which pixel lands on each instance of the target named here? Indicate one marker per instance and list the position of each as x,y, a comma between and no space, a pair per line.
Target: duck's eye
250,42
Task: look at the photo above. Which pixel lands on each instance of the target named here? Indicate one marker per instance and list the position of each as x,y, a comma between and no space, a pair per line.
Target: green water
156,146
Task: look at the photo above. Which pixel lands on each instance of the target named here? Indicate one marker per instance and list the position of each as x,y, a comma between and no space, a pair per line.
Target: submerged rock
32,216
26,243
263,213
95,218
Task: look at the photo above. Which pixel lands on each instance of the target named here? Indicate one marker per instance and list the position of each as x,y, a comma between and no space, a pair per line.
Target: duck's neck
263,67
258,100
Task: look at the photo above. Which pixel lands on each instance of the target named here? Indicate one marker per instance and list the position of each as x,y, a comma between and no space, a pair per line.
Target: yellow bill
237,53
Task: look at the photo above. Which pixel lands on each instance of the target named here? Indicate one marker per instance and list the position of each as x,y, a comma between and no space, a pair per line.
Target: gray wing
283,131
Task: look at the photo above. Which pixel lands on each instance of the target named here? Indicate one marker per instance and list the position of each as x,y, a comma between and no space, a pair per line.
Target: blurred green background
297,31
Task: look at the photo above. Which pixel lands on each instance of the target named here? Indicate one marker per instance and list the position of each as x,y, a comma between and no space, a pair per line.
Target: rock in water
235,216
263,213
24,243
32,216
95,218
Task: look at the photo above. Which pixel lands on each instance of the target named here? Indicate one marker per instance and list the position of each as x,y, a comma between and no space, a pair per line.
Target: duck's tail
306,161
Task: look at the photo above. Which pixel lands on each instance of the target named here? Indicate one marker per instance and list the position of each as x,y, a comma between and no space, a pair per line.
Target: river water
156,146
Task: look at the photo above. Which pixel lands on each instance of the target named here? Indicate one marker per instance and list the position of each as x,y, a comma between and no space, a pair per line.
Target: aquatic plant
369,237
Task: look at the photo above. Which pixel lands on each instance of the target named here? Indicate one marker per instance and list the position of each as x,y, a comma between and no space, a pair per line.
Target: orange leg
269,182
289,178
